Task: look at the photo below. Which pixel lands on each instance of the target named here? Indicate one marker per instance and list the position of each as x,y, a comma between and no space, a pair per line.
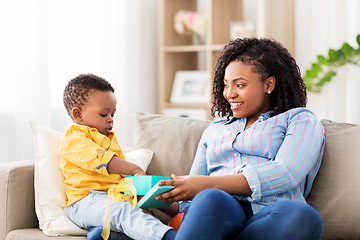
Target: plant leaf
308,82
316,76
323,60
326,78
346,49
312,73
333,55
316,68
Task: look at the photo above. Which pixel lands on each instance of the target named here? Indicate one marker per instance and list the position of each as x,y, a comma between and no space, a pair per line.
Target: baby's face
99,111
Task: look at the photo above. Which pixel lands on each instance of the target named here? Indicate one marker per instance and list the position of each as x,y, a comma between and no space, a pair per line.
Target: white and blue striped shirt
279,156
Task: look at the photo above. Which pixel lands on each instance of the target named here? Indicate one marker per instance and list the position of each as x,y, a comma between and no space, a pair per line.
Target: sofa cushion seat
37,234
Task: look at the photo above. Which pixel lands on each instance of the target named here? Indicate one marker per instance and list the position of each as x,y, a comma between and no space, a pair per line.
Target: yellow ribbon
125,190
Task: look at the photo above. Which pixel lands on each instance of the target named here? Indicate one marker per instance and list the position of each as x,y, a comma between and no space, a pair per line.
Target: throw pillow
49,186
335,192
141,157
173,140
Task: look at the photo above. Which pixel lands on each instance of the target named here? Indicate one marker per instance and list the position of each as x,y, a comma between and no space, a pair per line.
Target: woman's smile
236,105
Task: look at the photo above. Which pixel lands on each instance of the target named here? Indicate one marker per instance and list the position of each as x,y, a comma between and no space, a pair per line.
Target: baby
92,160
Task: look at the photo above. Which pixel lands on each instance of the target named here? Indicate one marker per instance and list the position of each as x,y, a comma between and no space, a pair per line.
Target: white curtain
324,24
44,44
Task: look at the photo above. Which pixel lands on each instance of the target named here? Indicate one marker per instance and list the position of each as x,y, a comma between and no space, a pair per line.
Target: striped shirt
279,155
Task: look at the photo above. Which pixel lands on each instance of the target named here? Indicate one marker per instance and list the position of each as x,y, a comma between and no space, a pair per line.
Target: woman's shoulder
299,111
300,114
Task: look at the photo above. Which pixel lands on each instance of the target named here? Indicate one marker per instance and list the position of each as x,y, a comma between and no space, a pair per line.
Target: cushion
49,186
172,139
141,157
335,193
37,234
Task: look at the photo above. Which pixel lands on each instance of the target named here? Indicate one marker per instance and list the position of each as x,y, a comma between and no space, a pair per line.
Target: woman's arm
186,187
297,157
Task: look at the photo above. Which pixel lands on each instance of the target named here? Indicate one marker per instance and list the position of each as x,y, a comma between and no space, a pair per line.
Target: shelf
186,48
217,47
193,48
178,53
274,18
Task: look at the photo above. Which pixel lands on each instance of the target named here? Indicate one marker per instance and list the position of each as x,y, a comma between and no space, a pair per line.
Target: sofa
172,142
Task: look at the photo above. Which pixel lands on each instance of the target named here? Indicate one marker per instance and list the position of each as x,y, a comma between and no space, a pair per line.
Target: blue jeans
215,214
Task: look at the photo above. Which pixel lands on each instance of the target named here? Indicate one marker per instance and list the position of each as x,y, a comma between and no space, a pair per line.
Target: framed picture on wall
191,87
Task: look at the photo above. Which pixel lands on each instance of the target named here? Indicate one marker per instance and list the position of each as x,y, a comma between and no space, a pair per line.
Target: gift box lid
144,183
148,201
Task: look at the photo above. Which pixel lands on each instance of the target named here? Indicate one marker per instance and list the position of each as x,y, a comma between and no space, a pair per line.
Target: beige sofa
335,194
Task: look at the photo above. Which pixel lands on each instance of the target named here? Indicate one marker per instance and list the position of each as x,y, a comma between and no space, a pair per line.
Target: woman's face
247,94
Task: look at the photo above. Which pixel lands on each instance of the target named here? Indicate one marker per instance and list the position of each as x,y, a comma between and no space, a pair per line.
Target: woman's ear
270,84
76,114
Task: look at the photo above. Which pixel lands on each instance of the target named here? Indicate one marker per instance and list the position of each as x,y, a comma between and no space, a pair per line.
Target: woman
253,170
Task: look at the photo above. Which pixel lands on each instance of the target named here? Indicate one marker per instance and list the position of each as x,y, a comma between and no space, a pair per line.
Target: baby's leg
90,211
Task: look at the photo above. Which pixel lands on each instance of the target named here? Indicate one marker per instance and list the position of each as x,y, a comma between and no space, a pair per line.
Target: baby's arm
119,166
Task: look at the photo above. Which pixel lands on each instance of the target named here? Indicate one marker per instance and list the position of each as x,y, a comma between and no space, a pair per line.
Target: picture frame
191,87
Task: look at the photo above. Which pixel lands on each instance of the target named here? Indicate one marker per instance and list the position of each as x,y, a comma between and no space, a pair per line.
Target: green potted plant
325,68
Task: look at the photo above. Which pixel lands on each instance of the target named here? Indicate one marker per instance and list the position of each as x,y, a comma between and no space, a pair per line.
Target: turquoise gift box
143,184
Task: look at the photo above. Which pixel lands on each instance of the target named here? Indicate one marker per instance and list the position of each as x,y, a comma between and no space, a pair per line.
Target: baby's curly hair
77,90
270,59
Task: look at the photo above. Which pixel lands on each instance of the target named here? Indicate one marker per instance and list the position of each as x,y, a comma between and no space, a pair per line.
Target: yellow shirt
84,155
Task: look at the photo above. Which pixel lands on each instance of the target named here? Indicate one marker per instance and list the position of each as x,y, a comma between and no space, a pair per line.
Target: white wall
324,24
44,44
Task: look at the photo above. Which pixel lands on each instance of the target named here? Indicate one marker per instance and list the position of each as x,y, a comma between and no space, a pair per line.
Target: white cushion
141,157
49,185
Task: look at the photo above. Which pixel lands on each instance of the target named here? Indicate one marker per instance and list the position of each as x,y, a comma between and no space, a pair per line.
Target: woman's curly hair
270,59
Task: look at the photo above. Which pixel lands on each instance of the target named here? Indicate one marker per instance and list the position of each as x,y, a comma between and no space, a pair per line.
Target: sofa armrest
17,202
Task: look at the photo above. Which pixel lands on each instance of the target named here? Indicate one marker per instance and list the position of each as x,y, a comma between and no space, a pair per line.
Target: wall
324,24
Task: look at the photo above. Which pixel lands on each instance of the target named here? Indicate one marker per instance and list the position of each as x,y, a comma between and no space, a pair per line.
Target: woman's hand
186,187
